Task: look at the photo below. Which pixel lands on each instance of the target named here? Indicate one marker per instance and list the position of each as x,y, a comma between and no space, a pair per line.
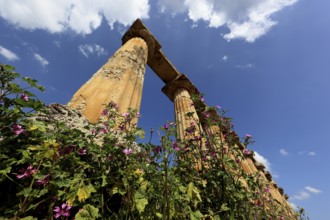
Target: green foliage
52,170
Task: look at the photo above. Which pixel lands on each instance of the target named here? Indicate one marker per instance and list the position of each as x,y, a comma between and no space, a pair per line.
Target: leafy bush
50,170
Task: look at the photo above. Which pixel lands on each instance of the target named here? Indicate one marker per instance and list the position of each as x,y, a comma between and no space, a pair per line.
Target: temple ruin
121,79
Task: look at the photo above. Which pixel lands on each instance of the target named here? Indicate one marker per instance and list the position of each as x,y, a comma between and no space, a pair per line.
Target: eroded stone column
182,106
119,80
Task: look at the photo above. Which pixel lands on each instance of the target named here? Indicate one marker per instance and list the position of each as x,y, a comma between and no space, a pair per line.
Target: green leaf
25,192
29,218
140,202
196,215
88,212
224,207
85,192
160,216
39,126
104,181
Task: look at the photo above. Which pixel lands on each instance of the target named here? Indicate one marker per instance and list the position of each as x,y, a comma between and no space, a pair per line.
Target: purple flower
248,136
126,114
175,146
218,106
104,112
17,129
25,97
82,151
237,160
128,151
67,150
202,98
166,126
103,130
267,189
281,218
93,131
157,149
246,152
62,211
26,173
44,181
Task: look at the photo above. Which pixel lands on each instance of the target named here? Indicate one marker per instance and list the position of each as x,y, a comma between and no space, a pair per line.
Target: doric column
120,80
179,91
182,106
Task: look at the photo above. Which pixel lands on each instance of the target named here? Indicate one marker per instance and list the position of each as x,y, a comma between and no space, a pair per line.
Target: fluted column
182,106
120,80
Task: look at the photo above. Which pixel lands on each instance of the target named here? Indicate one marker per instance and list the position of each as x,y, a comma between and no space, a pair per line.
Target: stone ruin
120,80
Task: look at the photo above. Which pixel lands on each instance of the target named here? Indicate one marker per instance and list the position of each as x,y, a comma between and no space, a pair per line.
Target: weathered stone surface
63,114
119,80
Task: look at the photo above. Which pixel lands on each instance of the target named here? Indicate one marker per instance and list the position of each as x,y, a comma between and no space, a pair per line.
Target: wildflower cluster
100,171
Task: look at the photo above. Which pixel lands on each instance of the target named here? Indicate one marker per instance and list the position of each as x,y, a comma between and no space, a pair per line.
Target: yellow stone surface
119,80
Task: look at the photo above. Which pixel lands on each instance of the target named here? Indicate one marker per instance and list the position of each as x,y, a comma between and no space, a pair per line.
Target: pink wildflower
126,114
62,211
104,112
218,106
26,173
25,97
128,151
248,136
175,146
246,152
44,181
157,149
17,129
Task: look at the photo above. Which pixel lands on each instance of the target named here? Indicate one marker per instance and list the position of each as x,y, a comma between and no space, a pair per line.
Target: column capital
181,81
139,30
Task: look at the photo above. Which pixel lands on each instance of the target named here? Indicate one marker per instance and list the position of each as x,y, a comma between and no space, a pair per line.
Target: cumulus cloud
312,153
262,160
245,19
284,152
303,195
41,59
90,49
308,153
80,16
312,190
225,58
8,54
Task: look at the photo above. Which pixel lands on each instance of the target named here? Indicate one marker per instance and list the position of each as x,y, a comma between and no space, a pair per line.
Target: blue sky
267,62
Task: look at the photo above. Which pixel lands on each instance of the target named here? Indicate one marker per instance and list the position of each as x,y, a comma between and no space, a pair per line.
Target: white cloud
312,153
262,160
303,195
80,16
284,152
246,66
41,60
246,19
225,58
308,153
312,190
9,55
90,49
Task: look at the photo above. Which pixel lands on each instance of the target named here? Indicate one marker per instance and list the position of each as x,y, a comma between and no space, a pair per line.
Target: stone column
179,91
182,106
120,80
